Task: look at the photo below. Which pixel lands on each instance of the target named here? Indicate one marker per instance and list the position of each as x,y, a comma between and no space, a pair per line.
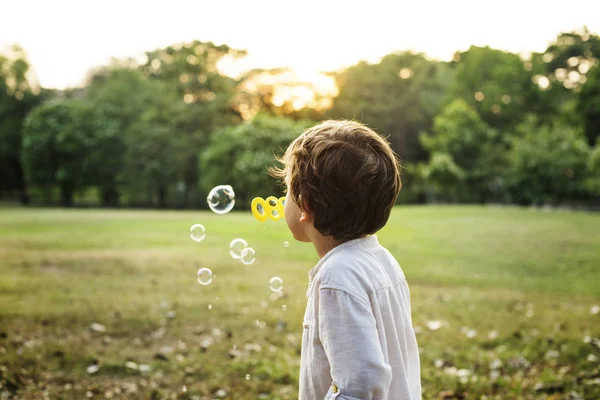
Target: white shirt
358,340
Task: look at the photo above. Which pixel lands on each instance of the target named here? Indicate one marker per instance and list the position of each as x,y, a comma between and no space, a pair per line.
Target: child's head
341,176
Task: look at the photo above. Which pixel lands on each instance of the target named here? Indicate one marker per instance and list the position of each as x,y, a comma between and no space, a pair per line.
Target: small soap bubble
197,232
276,284
286,244
205,276
284,307
247,377
236,247
210,306
221,199
248,256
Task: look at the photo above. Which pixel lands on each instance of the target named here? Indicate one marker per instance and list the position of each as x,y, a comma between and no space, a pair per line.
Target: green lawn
514,290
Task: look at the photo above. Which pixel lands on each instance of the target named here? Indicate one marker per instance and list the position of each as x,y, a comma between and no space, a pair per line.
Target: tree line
487,126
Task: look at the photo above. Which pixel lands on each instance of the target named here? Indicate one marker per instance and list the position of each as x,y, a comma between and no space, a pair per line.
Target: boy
342,181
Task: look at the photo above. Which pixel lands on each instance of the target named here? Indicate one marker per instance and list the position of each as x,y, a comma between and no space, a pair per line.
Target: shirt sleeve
349,336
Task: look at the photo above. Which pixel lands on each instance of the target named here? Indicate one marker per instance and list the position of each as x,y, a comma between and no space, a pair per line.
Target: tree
239,156
18,95
192,69
104,160
56,140
398,97
466,152
121,96
571,56
592,182
156,147
444,176
147,146
588,105
496,84
547,163
562,70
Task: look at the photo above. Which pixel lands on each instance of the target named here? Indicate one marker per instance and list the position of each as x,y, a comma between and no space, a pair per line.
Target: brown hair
345,174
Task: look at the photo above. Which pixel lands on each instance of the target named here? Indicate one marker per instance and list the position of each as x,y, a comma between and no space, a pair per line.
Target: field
105,304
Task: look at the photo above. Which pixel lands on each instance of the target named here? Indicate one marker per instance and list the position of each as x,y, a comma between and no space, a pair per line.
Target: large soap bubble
221,199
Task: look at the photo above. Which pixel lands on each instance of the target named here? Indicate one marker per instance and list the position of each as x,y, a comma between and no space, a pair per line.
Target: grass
513,289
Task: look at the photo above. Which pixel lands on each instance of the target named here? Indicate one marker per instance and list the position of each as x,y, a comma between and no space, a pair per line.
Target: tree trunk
22,184
162,197
48,194
66,195
110,197
191,182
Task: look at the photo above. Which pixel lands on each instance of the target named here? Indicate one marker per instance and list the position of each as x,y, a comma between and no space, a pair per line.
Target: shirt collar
360,243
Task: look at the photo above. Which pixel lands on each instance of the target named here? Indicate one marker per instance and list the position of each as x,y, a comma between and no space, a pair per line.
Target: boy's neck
323,244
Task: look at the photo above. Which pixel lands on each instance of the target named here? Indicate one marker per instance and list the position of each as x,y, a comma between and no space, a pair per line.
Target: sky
64,39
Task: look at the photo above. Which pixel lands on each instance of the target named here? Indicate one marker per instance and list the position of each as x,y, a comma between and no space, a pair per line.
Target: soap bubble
236,247
205,276
221,199
248,256
284,307
247,377
197,232
286,244
276,284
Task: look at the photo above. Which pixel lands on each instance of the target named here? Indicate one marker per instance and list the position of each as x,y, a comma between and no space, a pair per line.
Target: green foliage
147,145
239,156
467,154
136,133
495,83
580,44
191,69
444,175
566,63
56,138
592,182
156,149
547,163
588,104
398,97
73,145
107,156
17,97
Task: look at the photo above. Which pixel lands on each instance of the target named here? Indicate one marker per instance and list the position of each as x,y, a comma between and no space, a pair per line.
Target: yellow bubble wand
269,208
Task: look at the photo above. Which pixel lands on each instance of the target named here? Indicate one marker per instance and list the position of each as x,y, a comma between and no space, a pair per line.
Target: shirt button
334,388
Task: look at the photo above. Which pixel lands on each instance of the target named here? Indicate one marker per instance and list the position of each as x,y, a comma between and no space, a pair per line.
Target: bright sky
64,39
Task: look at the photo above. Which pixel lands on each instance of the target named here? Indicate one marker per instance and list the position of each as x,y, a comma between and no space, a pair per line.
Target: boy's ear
305,217
306,214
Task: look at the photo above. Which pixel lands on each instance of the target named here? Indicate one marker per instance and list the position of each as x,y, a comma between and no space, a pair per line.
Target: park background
106,163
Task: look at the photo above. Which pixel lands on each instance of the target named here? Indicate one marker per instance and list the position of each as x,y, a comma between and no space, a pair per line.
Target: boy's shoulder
359,272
